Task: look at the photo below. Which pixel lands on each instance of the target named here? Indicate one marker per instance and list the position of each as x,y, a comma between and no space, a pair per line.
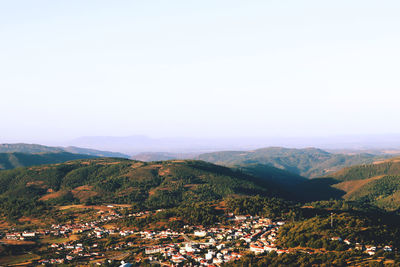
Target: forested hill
365,171
309,162
35,149
111,180
15,160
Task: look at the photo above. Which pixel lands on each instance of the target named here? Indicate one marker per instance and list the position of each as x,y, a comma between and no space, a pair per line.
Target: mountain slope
107,180
34,149
377,168
15,160
377,183
309,162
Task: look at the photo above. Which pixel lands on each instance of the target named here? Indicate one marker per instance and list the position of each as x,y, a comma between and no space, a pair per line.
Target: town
100,241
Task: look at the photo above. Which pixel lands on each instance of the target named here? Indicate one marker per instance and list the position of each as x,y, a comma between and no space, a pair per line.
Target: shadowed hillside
377,183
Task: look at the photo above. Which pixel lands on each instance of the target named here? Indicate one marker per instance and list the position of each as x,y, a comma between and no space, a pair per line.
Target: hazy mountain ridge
159,156
28,148
35,149
16,159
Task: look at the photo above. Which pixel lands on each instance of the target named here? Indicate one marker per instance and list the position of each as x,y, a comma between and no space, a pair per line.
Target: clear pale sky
204,68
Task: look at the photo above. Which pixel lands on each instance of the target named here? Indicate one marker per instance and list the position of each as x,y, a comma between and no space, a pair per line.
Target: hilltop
308,162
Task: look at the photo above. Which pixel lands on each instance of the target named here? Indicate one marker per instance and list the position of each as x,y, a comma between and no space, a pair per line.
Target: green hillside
383,192
15,160
309,162
106,180
385,167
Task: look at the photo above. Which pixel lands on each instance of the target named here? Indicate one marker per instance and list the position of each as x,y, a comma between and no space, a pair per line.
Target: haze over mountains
138,143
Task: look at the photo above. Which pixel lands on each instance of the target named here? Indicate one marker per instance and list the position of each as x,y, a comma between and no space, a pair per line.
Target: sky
209,68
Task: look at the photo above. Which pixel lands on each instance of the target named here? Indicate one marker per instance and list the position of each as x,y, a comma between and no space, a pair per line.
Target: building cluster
73,250
217,245
369,249
158,234
25,235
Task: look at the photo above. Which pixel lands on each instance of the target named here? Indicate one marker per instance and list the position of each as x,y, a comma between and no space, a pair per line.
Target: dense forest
365,171
154,185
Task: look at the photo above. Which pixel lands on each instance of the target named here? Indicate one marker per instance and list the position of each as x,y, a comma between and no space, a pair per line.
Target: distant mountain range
34,149
158,156
137,143
309,162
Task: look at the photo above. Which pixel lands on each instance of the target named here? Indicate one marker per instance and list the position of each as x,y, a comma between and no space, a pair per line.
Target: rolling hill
116,180
35,149
309,162
16,159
